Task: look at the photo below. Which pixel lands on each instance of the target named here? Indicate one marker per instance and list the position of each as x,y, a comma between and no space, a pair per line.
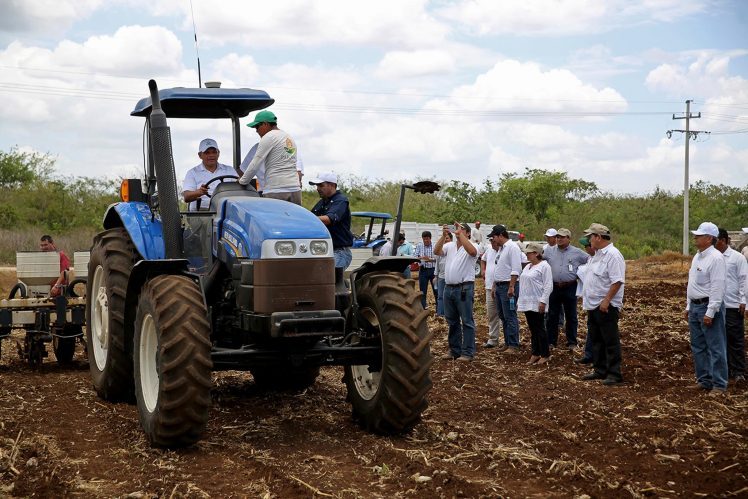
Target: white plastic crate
37,268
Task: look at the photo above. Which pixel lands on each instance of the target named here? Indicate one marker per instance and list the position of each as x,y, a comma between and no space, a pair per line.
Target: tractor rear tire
285,377
172,361
112,258
390,399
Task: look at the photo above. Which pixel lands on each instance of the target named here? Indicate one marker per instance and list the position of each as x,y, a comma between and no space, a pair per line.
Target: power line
363,92
333,108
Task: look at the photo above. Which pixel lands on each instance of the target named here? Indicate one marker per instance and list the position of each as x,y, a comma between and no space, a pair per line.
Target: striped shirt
428,251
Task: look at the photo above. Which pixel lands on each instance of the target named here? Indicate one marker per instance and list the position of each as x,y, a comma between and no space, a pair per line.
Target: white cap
206,144
745,230
324,177
551,232
706,229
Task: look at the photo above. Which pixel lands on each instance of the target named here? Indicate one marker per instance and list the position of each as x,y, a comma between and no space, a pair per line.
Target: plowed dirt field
494,427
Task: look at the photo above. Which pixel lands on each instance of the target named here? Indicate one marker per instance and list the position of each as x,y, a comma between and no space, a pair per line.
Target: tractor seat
230,189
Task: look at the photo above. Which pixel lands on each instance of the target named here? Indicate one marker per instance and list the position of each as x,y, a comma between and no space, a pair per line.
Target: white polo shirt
706,279
508,262
198,176
459,265
604,269
736,274
489,257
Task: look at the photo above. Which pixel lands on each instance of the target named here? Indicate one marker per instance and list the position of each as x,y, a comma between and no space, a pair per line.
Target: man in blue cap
277,151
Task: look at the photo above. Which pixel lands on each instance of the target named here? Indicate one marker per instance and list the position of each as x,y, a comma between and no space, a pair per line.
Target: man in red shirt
47,244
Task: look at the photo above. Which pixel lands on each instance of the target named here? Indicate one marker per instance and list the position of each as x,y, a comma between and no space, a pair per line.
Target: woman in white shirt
535,286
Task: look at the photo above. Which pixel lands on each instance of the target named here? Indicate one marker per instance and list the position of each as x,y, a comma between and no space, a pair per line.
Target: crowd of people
542,281
546,281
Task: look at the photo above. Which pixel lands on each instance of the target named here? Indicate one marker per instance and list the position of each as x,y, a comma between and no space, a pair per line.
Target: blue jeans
440,296
458,308
426,281
509,321
709,347
343,257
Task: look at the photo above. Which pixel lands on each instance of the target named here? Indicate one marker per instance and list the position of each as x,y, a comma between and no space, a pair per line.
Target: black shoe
489,345
609,381
592,376
583,360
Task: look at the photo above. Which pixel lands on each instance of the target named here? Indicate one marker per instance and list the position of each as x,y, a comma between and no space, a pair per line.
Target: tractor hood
250,227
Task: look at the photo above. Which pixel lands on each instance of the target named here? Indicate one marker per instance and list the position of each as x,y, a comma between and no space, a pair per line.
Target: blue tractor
248,284
369,238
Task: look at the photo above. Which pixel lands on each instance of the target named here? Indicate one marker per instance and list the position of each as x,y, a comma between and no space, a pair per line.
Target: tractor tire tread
406,358
185,366
113,249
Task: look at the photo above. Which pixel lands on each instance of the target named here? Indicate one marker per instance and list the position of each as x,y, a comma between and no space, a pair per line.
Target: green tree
22,168
539,191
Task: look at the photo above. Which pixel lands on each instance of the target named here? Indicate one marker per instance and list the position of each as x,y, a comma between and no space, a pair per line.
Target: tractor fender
142,226
141,272
382,263
373,264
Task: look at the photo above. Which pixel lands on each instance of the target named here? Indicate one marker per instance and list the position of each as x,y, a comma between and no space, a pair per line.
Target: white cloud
705,77
701,72
392,23
513,85
131,50
63,99
563,17
401,64
44,15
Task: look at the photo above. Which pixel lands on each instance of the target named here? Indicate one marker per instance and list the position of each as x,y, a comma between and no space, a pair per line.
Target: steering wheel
219,178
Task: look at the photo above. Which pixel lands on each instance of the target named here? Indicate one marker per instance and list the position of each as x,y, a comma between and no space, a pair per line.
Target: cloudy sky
395,89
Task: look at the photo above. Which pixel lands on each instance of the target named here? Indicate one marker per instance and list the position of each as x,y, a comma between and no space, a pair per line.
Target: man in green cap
277,151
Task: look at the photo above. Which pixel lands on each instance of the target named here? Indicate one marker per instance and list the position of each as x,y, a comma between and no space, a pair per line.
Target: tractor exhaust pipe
163,161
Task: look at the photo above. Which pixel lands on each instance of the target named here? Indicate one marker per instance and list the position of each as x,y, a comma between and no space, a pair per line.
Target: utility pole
686,186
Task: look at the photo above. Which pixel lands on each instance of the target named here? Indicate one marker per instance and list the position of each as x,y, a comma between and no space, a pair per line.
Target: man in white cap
736,274
459,275
550,238
705,310
277,151
564,260
606,275
333,211
194,189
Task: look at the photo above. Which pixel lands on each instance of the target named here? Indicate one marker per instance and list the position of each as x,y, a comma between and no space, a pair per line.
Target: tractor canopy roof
206,102
371,214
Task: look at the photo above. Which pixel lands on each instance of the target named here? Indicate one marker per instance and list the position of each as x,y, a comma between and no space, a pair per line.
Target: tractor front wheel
112,258
172,361
390,398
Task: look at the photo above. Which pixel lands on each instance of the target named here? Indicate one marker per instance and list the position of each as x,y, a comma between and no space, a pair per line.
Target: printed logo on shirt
290,146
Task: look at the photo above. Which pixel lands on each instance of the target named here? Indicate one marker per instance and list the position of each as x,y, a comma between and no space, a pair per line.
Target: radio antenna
197,50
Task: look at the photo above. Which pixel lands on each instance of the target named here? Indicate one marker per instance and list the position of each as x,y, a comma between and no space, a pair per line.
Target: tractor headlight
318,247
285,248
